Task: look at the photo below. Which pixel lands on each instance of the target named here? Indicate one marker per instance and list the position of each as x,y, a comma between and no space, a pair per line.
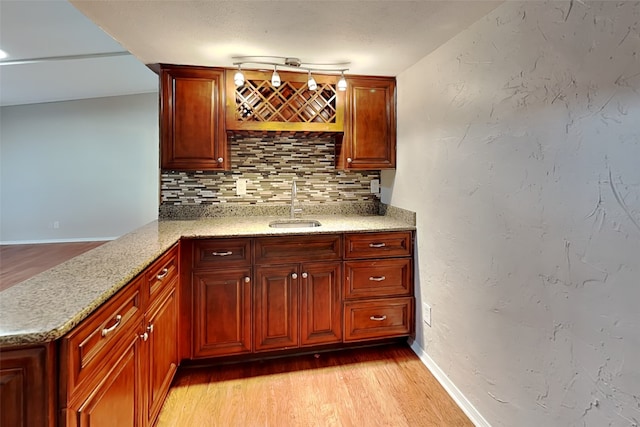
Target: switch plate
426,313
241,187
375,186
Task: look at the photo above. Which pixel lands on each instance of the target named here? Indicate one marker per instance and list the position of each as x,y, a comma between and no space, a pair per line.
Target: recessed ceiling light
3,54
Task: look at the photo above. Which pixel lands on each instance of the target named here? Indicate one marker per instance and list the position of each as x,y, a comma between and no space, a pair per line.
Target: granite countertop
50,304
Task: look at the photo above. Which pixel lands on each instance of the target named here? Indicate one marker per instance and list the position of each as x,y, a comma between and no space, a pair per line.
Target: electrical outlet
426,313
375,186
241,187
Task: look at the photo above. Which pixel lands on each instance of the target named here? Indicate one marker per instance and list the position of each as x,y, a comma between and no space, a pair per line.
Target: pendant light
342,83
312,82
275,77
238,78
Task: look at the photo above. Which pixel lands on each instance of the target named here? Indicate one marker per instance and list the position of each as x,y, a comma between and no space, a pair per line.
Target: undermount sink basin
294,223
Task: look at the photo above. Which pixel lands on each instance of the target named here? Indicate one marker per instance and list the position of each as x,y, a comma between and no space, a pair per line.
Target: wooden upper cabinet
192,119
369,141
291,107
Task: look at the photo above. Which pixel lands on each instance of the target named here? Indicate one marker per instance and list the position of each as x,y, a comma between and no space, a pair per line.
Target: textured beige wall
519,149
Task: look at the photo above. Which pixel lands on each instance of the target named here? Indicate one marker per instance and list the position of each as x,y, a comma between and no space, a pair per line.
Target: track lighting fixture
275,77
238,77
311,82
342,83
293,63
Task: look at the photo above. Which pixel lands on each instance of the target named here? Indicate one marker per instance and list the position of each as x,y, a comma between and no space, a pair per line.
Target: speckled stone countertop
50,304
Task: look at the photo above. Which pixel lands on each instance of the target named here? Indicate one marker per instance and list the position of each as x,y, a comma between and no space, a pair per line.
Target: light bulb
342,83
275,78
238,78
312,83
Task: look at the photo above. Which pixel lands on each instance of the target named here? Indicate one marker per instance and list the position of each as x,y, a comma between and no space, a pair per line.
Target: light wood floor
381,386
19,262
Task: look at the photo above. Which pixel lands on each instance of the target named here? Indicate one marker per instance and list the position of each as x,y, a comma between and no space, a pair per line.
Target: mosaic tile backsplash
269,164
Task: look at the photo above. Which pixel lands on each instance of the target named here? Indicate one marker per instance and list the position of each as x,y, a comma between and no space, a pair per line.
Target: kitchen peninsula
41,313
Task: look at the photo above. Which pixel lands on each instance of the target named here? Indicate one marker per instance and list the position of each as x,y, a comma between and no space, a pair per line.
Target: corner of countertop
400,214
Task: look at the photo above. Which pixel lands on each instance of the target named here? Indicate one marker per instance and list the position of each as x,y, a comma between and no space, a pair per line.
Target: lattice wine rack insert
291,106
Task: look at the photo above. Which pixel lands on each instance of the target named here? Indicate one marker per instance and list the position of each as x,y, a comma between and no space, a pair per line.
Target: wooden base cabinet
116,366
222,312
27,386
297,305
161,352
320,303
220,296
116,400
276,307
378,286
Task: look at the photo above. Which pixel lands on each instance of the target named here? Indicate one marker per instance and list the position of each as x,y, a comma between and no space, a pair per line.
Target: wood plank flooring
375,386
19,262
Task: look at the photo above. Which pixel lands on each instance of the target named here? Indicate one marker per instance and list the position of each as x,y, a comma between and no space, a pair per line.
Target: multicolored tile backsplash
269,164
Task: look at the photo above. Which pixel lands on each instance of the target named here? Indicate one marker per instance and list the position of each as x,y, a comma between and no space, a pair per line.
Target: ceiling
41,29
377,37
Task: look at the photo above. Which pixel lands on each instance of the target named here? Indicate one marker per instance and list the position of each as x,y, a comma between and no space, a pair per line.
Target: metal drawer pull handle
377,279
163,274
144,336
377,245
378,318
222,253
106,331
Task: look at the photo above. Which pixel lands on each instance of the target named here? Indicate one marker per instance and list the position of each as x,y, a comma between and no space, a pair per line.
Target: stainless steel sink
294,223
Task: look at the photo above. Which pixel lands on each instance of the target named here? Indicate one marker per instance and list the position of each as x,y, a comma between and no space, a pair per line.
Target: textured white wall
519,149
91,165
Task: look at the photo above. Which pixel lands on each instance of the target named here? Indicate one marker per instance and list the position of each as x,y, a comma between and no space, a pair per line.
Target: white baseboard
76,240
476,418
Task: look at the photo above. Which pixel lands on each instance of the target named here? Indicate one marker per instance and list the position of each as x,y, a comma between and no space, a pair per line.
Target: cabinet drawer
271,250
217,253
383,318
92,344
378,245
379,278
163,271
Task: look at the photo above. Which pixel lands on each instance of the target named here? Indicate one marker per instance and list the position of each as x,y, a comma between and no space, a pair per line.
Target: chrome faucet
294,193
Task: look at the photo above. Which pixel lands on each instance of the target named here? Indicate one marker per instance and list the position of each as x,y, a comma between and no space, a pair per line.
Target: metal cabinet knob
247,279
305,275
145,336
294,276
220,160
349,160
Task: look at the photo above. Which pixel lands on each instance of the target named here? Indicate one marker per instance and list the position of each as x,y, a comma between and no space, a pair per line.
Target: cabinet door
320,303
25,390
370,130
192,119
276,307
162,354
222,312
115,401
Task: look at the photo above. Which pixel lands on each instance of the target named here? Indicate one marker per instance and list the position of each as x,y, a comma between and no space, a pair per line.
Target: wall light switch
241,187
375,186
